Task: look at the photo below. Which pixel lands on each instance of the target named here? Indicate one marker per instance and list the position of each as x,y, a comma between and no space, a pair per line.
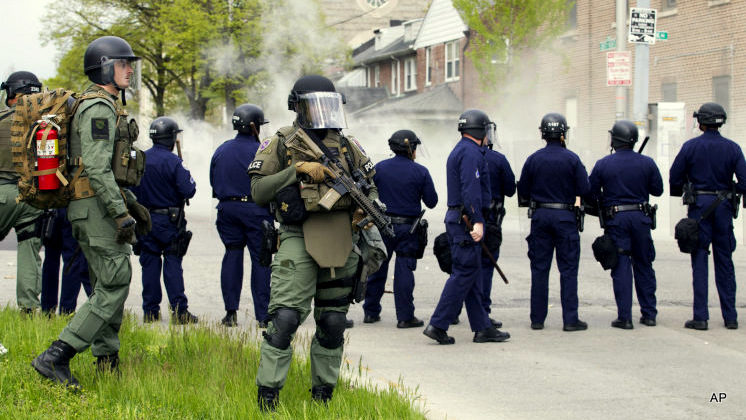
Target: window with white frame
377,76
428,66
453,61
394,77
410,74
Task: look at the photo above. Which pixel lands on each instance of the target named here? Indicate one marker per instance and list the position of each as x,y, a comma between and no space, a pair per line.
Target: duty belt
555,206
625,207
702,192
244,198
160,211
402,220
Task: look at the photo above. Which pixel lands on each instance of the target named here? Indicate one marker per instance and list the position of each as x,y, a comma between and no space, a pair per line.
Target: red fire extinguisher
47,155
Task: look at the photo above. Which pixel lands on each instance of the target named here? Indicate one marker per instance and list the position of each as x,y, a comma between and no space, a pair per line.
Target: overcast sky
20,44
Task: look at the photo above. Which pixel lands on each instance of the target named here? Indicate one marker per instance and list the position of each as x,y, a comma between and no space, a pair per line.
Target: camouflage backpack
36,118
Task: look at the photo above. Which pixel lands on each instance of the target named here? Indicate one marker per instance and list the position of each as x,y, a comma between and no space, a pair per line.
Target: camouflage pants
96,323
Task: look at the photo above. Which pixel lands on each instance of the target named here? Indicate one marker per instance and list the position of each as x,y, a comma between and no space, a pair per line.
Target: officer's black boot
230,319
349,323
696,325
54,363
438,334
268,398
185,317
108,363
495,323
322,393
490,335
151,317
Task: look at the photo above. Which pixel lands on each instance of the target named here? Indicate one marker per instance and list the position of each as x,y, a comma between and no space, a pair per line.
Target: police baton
416,222
644,142
178,152
485,250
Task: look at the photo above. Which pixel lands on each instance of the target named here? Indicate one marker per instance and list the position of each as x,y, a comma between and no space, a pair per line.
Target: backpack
38,117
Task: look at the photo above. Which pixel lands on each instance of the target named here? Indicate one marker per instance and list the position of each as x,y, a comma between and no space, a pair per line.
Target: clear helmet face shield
319,110
491,134
116,70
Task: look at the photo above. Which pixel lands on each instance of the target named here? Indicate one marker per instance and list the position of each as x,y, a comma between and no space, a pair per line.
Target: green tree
502,30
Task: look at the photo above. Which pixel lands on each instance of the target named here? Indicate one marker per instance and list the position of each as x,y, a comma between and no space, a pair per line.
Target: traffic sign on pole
608,44
642,26
618,68
661,35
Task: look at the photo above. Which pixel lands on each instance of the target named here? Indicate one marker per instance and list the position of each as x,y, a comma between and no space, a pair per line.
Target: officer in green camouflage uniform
100,211
20,216
315,260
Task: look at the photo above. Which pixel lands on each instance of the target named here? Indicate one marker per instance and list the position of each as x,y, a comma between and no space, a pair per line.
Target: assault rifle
343,184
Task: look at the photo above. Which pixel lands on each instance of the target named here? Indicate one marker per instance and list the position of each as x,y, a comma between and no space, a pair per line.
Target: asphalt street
662,372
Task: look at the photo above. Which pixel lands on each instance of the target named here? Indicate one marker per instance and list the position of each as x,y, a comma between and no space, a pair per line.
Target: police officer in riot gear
19,216
621,183
164,189
240,219
502,184
317,259
468,194
551,179
402,186
103,213
705,166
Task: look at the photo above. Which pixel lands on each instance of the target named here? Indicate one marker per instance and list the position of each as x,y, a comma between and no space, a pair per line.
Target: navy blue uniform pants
240,226
157,255
554,231
630,230
718,231
74,272
405,246
464,286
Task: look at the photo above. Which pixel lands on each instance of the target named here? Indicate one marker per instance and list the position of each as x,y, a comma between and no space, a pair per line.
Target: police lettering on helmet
23,82
710,114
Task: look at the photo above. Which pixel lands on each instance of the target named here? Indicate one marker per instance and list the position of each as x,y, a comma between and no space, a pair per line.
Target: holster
687,195
531,208
180,245
47,222
579,218
735,200
421,233
650,211
174,215
269,243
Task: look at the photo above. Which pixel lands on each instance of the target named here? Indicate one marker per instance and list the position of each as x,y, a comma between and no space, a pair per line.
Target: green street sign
662,35
608,44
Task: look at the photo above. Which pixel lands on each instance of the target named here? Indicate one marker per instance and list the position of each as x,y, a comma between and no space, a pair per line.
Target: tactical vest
127,163
312,193
7,171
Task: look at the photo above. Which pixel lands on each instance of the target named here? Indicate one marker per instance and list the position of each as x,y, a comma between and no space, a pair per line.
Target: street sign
619,68
608,44
661,35
641,26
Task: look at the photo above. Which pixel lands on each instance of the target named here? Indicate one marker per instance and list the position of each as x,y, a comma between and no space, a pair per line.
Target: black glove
142,217
125,229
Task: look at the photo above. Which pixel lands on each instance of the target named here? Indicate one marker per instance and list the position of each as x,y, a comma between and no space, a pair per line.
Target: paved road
659,373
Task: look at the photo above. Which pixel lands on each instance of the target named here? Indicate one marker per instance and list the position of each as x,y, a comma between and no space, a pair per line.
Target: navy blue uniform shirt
166,182
553,174
467,181
229,164
709,162
502,179
402,184
627,177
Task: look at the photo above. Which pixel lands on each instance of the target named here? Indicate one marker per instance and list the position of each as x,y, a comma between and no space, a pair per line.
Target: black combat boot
108,363
490,335
54,364
268,398
184,317
438,334
230,319
322,393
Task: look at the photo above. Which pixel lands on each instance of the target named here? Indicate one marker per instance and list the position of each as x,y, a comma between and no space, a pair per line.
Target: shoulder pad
268,145
88,103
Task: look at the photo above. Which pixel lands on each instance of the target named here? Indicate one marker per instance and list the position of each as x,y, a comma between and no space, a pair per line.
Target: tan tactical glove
142,217
358,217
314,170
125,229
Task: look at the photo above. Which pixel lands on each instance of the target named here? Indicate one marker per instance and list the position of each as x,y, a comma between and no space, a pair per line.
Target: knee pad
285,322
332,324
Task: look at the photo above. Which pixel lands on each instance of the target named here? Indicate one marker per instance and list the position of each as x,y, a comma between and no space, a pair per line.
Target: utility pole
621,45
640,84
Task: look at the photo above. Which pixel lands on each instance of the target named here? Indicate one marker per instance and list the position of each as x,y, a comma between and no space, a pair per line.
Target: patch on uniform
284,207
368,167
100,129
357,143
477,173
256,165
264,144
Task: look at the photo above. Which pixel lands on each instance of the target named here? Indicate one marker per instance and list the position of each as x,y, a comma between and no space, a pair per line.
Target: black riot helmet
23,82
317,103
100,56
710,114
477,124
553,126
404,142
624,134
164,130
247,118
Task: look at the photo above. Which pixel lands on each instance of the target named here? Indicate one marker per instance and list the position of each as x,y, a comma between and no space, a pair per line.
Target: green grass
197,372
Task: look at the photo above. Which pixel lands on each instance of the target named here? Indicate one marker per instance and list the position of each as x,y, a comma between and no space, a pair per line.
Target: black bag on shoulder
442,251
606,252
290,206
686,231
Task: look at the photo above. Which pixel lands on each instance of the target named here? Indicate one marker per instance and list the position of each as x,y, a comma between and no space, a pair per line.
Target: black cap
404,142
